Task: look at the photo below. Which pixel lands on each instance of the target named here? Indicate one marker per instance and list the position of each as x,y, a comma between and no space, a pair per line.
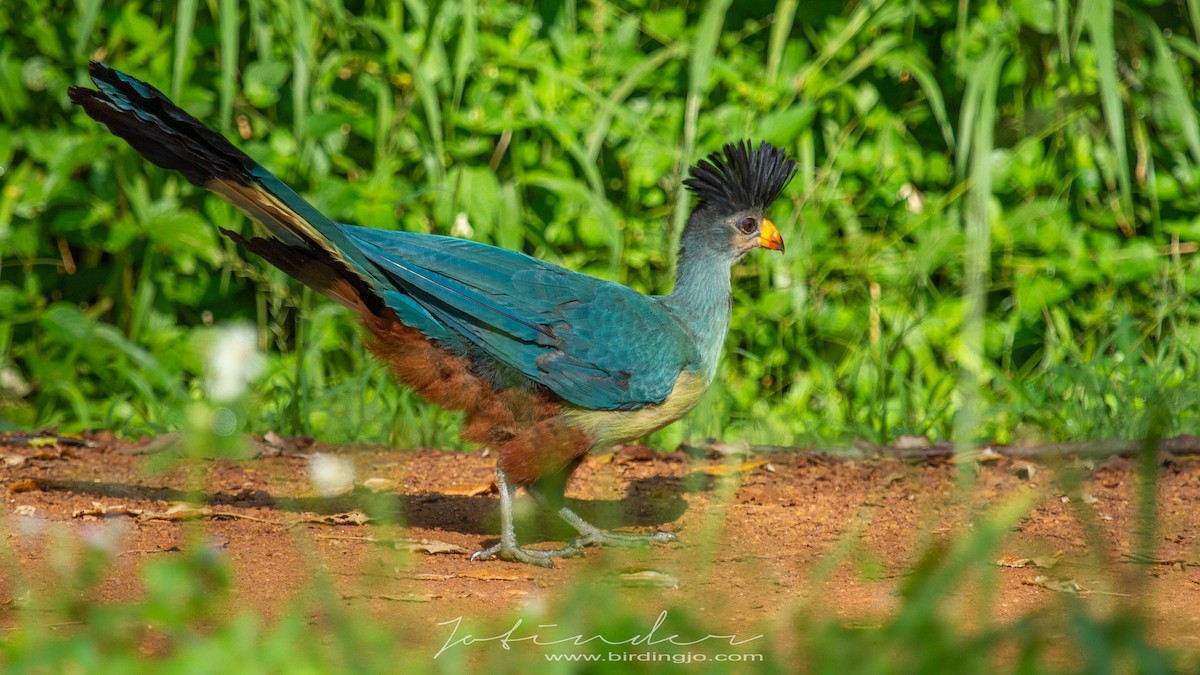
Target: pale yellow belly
610,427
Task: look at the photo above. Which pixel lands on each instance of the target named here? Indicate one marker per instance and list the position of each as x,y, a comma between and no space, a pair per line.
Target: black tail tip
98,72
79,94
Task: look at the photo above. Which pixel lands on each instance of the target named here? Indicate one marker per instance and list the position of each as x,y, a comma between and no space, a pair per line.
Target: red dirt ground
784,533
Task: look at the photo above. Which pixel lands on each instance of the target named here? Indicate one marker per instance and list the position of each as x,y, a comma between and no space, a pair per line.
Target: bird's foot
601,538
529,556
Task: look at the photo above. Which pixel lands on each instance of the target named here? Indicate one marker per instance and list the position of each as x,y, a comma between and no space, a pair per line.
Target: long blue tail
305,243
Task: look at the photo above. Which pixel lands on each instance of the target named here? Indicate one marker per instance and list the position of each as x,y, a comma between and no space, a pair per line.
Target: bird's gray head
735,186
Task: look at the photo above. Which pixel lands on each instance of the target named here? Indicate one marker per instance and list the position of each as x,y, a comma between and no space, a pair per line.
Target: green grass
988,213
565,134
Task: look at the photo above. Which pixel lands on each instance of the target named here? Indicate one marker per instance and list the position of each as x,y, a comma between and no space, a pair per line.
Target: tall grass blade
419,10
229,20
384,119
703,53
260,30
1062,28
185,21
1100,28
1180,102
302,60
1082,12
468,49
781,29
979,127
426,88
920,70
88,11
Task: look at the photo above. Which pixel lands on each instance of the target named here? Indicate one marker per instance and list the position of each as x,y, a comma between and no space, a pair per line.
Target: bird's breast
610,427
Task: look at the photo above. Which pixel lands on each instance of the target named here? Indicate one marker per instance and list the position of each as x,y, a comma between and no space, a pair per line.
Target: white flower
12,382
330,474
914,199
233,362
462,227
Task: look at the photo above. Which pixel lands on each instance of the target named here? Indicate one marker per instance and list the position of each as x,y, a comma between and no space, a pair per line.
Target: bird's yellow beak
770,237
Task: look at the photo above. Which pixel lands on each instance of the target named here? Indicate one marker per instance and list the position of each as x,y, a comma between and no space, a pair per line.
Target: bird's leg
508,549
589,534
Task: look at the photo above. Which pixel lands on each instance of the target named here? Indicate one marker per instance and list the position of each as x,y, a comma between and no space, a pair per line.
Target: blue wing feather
596,344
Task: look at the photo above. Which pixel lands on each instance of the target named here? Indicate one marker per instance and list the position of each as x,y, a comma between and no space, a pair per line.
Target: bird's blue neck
702,300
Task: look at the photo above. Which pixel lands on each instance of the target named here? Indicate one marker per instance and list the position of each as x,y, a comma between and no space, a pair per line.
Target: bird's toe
602,538
489,553
663,537
529,556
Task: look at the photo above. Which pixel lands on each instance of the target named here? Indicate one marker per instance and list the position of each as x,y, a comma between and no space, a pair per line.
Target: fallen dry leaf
912,442
651,578
1042,562
1056,585
379,484
347,518
407,597
472,490
989,455
173,513
24,485
13,461
177,512
429,546
488,574
730,469
99,510
984,456
273,444
53,452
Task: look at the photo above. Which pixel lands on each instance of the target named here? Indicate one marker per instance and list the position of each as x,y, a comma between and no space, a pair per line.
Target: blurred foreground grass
184,625
183,612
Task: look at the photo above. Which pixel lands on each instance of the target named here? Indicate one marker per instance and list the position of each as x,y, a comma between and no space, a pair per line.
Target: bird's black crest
741,177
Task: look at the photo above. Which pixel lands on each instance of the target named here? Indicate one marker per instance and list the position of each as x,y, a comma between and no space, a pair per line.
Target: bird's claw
602,538
529,556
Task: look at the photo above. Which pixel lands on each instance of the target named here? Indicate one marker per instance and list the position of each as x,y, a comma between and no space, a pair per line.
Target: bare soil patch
763,539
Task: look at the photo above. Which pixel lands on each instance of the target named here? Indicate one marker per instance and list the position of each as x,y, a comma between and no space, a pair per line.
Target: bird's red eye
748,225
